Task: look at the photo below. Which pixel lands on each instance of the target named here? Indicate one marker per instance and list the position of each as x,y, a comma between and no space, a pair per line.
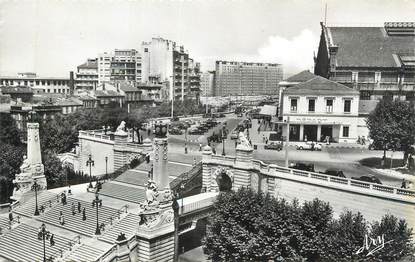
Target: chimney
71,83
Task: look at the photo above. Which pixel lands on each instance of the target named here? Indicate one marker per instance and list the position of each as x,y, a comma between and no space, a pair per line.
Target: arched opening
224,182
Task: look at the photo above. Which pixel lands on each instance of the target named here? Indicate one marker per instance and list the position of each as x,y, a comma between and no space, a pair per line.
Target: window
329,105
311,105
355,77
345,131
365,95
293,105
378,76
347,105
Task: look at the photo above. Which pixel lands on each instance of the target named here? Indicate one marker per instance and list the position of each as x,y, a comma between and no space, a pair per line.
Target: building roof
89,65
127,87
110,93
301,77
369,46
69,102
16,90
320,86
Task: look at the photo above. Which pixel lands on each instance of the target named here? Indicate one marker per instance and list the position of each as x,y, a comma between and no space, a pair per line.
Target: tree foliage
392,122
247,226
9,133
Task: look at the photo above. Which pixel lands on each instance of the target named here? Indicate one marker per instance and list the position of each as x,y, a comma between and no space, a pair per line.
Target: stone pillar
120,142
301,132
318,133
160,174
243,155
155,234
123,251
32,167
206,170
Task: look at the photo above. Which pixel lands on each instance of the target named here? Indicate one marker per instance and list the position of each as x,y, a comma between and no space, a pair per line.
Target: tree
247,226
392,124
9,133
11,158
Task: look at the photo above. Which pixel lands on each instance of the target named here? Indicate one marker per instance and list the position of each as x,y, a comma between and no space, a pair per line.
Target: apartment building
207,83
39,85
119,65
241,78
86,76
379,62
165,61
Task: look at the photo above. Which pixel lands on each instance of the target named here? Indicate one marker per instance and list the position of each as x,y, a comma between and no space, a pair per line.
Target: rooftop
16,90
320,86
371,46
301,77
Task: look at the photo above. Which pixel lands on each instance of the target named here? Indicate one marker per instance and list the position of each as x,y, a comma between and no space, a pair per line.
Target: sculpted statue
121,127
151,193
25,167
243,140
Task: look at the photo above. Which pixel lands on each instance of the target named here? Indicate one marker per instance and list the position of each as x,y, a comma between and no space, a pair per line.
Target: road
345,159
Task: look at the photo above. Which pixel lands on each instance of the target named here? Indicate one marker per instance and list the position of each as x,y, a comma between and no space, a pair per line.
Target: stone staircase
28,208
133,177
128,225
123,192
22,244
83,253
75,223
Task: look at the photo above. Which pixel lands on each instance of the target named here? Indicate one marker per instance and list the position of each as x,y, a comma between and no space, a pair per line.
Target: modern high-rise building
120,65
207,83
241,78
379,62
86,76
164,61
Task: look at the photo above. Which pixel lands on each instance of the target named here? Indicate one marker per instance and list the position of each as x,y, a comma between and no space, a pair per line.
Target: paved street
333,156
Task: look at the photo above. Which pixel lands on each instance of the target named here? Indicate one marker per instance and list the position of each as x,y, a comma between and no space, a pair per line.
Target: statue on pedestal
121,129
243,141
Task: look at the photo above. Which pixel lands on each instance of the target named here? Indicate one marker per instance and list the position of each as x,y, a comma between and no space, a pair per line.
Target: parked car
303,166
175,131
370,179
274,145
309,146
195,131
334,172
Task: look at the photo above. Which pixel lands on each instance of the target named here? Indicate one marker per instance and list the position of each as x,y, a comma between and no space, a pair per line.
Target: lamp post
223,140
42,235
185,140
106,168
176,207
90,163
36,187
97,203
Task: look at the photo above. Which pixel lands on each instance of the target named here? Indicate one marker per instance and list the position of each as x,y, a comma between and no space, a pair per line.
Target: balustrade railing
348,182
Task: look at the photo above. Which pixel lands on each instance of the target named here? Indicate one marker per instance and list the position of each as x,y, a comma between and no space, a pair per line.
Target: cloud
294,54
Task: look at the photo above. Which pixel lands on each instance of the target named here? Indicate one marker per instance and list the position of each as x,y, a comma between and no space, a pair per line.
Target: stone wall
372,200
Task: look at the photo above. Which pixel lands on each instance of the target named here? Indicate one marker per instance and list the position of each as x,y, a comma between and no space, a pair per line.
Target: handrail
104,255
189,175
268,168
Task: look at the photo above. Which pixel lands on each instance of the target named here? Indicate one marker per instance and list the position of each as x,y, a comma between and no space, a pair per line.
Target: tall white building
207,83
86,76
164,61
119,65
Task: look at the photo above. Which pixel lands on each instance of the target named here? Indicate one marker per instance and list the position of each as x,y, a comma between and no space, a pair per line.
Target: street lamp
97,203
36,187
90,162
106,168
175,206
185,140
42,235
223,140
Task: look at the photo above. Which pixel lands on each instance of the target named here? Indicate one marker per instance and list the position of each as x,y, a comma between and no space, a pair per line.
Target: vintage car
302,166
274,145
334,172
309,146
370,179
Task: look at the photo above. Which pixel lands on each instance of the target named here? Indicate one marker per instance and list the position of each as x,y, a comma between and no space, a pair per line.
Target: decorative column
301,132
32,167
155,234
120,142
206,169
319,133
243,163
160,174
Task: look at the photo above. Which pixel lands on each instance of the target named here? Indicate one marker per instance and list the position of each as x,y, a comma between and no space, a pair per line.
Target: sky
52,37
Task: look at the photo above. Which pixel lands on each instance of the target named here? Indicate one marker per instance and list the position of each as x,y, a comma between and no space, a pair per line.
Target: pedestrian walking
61,219
73,209
236,143
403,183
39,234
363,140
200,146
359,141
79,207
52,240
10,215
266,140
83,214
